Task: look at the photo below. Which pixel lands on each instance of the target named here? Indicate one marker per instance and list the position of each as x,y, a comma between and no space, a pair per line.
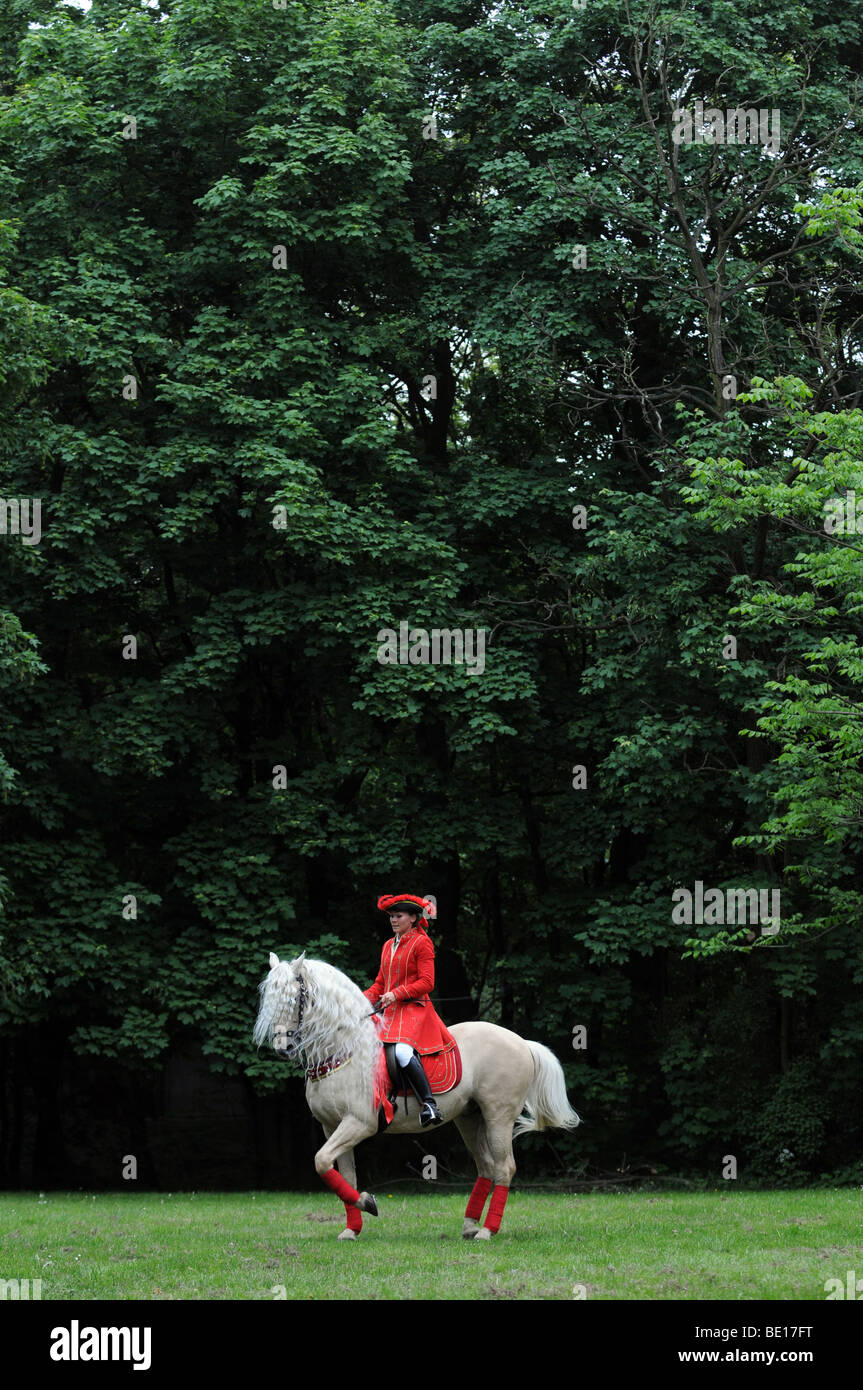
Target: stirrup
429,1114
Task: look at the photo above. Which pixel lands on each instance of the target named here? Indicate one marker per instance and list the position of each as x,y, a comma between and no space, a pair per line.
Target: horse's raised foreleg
498,1132
472,1130
339,1146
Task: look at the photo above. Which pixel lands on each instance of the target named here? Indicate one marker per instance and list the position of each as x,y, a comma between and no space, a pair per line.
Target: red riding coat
407,969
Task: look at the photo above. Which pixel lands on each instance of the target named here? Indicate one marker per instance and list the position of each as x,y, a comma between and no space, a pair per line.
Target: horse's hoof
469,1230
347,1234
367,1203
483,1234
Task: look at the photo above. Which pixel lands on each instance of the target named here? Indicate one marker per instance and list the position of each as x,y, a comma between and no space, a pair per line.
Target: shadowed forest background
246,280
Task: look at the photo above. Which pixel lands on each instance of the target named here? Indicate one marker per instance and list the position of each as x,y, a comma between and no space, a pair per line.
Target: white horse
508,1086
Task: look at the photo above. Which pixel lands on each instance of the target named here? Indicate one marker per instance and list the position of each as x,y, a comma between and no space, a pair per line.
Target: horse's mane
335,1018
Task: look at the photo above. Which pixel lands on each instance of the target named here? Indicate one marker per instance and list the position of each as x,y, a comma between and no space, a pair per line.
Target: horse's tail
546,1105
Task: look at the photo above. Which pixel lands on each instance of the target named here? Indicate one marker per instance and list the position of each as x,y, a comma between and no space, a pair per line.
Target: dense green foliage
233,253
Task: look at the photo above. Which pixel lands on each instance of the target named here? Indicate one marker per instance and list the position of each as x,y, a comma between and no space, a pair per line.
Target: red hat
406,902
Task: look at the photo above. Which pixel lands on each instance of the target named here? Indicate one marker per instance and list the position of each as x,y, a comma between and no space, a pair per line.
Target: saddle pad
443,1070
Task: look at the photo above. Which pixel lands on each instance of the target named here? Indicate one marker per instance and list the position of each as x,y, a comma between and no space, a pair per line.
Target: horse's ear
274,960
295,965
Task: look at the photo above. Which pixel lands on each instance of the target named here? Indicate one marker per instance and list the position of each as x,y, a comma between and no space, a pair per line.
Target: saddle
443,1070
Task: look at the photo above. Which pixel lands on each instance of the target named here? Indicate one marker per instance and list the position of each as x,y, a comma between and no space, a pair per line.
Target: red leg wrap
341,1188
481,1188
355,1218
495,1208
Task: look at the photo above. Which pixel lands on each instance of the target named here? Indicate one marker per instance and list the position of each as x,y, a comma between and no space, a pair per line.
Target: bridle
295,1043
292,1035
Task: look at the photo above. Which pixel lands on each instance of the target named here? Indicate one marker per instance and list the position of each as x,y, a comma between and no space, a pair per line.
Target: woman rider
410,1024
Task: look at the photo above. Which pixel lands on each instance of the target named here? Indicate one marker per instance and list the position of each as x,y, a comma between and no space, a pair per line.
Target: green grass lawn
728,1245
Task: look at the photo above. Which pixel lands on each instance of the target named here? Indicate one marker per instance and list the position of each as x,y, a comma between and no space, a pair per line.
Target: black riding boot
416,1078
